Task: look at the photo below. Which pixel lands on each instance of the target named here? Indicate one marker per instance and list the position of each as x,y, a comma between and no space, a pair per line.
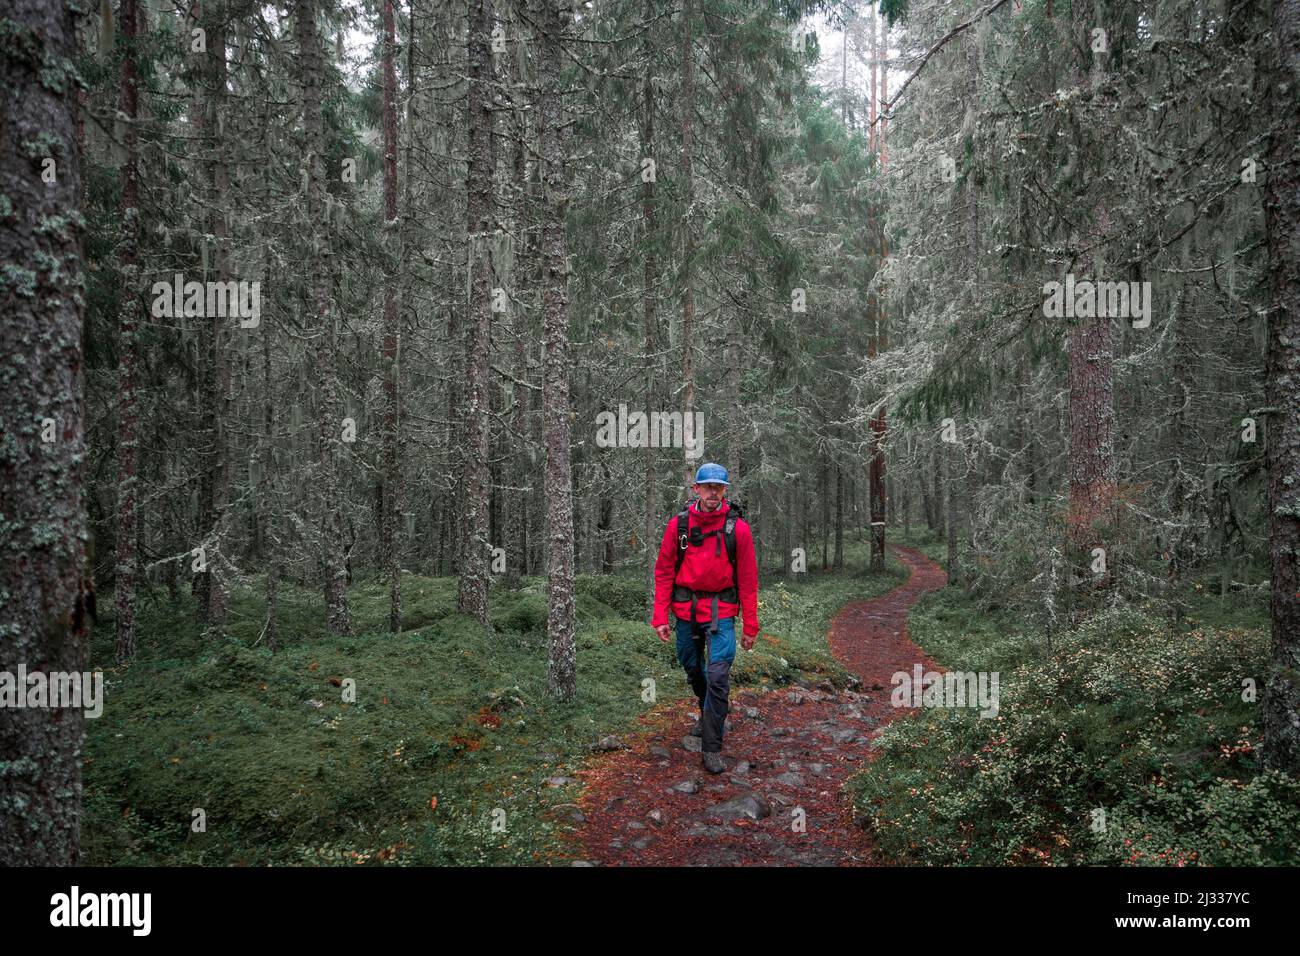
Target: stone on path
710,830
749,805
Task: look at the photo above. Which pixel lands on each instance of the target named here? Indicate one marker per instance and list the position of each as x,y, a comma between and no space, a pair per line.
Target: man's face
710,495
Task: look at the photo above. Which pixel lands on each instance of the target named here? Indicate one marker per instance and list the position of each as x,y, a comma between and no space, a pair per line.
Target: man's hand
662,631
747,641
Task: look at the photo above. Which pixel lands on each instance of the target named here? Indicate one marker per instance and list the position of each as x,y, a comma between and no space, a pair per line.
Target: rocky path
788,753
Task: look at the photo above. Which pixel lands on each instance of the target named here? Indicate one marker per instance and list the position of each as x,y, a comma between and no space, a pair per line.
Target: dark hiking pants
711,682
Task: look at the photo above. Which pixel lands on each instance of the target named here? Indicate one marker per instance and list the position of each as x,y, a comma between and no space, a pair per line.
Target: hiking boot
713,763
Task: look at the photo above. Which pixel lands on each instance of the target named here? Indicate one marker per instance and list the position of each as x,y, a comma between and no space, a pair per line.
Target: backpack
728,535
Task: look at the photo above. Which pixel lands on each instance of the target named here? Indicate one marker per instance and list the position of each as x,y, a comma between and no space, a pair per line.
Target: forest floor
788,754
454,753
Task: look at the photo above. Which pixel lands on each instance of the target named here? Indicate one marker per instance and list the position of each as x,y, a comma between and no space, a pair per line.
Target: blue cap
711,473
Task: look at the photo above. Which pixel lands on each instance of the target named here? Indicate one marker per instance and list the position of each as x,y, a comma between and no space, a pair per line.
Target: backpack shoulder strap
729,536
734,514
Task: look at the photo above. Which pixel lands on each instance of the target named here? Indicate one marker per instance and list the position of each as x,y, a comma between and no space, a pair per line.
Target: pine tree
46,595
480,225
1281,702
562,664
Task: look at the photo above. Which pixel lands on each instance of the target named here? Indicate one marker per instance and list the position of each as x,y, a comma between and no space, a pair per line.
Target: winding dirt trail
788,753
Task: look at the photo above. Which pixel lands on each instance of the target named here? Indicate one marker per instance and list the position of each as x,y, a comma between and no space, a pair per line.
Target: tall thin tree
392,463
128,304
329,422
562,676
472,592
688,197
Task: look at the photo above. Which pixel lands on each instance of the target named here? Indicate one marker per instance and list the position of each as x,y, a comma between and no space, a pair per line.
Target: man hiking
707,572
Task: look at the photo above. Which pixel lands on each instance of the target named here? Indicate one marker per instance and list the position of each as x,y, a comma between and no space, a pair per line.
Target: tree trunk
605,524
927,505
42,551
878,490
936,495
562,662
330,423
650,524
392,464
688,294
217,367
882,57
946,470
520,472
269,523
732,402
839,518
128,305
789,542
1092,422
907,510
472,593
205,358
1281,700
877,425
875,108
825,495
1090,461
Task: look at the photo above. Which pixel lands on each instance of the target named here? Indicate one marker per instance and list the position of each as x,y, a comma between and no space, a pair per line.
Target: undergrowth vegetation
1128,740
451,730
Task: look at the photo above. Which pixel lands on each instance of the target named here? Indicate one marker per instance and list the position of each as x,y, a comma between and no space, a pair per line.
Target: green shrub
624,595
1124,722
524,613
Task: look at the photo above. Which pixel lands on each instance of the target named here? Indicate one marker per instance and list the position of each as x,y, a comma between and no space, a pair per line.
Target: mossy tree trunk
45,594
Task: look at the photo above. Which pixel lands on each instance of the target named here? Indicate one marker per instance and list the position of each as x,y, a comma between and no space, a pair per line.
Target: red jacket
703,569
